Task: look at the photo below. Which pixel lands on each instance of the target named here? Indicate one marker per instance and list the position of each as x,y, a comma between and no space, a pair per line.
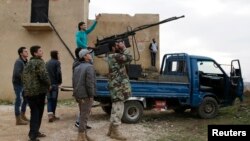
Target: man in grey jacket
20,100
84,84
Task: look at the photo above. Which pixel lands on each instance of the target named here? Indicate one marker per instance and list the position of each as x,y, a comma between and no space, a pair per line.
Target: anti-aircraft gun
104,45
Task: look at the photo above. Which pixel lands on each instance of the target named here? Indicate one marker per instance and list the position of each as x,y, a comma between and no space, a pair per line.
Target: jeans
36,104
20,100
52,97
78,117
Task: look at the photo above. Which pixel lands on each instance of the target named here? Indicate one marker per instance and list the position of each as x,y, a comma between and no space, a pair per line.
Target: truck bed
149,88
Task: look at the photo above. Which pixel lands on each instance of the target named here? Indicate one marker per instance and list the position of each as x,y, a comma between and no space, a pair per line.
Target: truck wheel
107,109
133,112
208,108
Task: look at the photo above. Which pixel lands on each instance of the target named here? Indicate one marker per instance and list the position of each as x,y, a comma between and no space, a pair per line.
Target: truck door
213,80
237,85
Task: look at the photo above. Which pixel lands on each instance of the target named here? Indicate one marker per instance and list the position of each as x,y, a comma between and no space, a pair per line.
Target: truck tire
208,108
133,112
107,109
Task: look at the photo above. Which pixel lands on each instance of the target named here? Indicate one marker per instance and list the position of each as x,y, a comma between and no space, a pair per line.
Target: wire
134,44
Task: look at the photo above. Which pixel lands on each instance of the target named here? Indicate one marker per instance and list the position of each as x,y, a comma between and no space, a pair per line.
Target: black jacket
17,72
54,69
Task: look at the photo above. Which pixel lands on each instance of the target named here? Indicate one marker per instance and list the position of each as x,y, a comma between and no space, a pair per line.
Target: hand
97,17
121,45
91,99
50,88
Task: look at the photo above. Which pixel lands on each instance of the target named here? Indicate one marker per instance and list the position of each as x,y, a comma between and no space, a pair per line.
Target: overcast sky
215,28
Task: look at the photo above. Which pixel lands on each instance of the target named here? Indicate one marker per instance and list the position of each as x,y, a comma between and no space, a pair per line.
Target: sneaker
50,117
77,125
55,118
34,140
40,135
88,127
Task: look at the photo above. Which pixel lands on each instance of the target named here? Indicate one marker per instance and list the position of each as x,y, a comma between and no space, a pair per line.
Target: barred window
39,11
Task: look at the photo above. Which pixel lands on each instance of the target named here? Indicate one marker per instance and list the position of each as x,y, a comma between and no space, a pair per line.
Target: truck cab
209,85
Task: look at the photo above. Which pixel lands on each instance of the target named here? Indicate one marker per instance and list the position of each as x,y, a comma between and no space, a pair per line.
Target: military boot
110,128
19,121
115,134
24,117
88,138
82,137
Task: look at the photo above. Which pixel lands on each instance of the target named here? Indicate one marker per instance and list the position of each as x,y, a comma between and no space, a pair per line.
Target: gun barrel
158,23
104,43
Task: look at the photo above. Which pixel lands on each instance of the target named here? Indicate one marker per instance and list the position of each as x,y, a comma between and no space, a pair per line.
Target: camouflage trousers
117,112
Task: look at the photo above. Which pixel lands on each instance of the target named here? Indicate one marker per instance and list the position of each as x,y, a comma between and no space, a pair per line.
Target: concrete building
20,26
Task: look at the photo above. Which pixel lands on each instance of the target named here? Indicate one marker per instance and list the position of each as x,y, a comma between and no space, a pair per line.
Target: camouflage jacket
119,85
35,77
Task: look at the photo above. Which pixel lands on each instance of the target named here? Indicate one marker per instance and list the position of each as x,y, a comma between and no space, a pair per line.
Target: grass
67,102
189,128
64,102
5,102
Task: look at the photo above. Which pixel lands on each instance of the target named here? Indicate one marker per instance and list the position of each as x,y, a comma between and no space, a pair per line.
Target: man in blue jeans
20,100
54,69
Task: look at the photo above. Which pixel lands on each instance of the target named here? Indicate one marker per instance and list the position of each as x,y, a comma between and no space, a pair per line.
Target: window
39,11
38,16
209,67
175,66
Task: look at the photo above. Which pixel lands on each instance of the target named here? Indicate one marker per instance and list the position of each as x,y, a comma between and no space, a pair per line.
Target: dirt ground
64,129
154,126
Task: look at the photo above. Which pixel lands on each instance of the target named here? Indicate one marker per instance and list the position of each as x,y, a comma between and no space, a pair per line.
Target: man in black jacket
54,69
18,87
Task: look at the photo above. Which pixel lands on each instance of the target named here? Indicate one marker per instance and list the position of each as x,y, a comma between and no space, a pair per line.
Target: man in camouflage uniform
36,85
119,86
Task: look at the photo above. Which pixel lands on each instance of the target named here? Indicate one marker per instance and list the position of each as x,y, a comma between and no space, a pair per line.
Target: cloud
215,28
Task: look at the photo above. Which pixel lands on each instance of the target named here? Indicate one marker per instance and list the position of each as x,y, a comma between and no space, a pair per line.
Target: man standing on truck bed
82,33
119,86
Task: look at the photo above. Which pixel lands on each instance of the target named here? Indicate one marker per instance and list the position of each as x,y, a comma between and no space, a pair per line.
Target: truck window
209,67
176,67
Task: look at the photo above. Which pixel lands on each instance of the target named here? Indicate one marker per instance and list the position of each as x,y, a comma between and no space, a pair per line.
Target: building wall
65,15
